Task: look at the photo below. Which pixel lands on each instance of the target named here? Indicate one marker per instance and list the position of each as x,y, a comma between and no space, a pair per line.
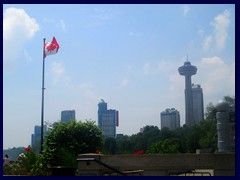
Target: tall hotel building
170,118
197,94
67,116
107,120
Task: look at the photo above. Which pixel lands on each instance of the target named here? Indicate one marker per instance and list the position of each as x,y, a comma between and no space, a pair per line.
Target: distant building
107,120
36,137
67,115
142,129
120,135
170,118
197,93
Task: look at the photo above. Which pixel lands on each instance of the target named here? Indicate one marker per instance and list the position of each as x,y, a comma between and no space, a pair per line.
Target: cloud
90,96
216,77
62,25
125,82
17,22
163,66
207,42
58,71
86,86
212,60
27,56
220,33
221,24
18,28
56,23
146,68
176,82
186,9
99,17
134,34
87,90
200,32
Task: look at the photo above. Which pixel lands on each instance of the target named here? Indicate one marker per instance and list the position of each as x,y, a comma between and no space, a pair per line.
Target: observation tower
188,70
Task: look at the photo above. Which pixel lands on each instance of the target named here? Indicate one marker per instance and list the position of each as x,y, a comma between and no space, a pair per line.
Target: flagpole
42,113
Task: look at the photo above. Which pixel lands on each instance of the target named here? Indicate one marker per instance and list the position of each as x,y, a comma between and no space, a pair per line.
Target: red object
97,152
27,149
139,153
51,48
18,157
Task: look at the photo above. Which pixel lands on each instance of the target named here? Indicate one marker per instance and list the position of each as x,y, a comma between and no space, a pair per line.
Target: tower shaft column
188,101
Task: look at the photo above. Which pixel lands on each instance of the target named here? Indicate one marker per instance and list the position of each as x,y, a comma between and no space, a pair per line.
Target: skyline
112,52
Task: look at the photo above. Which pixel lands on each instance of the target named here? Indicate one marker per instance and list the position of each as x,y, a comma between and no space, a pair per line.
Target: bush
67,140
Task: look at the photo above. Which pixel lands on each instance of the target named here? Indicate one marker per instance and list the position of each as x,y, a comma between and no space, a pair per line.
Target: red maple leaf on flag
51,48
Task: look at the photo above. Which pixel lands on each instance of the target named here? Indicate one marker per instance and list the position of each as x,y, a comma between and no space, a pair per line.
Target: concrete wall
158,165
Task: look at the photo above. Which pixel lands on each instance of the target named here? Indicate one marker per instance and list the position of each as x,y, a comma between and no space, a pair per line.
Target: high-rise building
67,115
36,137
198,113
107,120
170,118
188,70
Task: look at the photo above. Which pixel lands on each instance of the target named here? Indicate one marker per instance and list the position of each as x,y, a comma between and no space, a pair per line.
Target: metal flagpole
42,114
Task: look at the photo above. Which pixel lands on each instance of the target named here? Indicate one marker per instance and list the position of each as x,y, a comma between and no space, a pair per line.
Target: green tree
109,145
210,112
124,145
143,140
208,130
192,139
181,134
165,146
165,133
231,103
67,140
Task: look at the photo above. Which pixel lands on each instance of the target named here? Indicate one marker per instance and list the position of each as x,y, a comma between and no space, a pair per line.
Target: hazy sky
127,55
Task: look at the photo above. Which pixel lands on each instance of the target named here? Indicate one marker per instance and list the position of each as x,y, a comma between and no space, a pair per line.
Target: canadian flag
51,47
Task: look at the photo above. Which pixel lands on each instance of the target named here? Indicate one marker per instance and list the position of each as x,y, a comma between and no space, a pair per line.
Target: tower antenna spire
187,57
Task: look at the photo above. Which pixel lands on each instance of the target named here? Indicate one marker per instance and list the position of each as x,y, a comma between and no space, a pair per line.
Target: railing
190,173
99,162
114,170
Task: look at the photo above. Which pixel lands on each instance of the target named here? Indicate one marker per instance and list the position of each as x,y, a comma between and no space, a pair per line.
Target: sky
127,55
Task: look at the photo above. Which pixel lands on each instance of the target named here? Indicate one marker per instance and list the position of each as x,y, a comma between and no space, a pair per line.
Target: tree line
182,140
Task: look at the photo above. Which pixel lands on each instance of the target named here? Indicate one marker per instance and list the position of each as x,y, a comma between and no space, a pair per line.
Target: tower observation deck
188,70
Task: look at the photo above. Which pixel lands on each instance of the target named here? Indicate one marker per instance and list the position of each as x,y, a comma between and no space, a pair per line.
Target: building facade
107,120
170,118
36,137
198,110
67,116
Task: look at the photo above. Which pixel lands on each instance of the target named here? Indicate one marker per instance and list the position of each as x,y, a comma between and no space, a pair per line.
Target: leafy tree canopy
67,140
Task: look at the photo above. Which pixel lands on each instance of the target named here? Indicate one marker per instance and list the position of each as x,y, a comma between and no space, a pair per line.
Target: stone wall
155,165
